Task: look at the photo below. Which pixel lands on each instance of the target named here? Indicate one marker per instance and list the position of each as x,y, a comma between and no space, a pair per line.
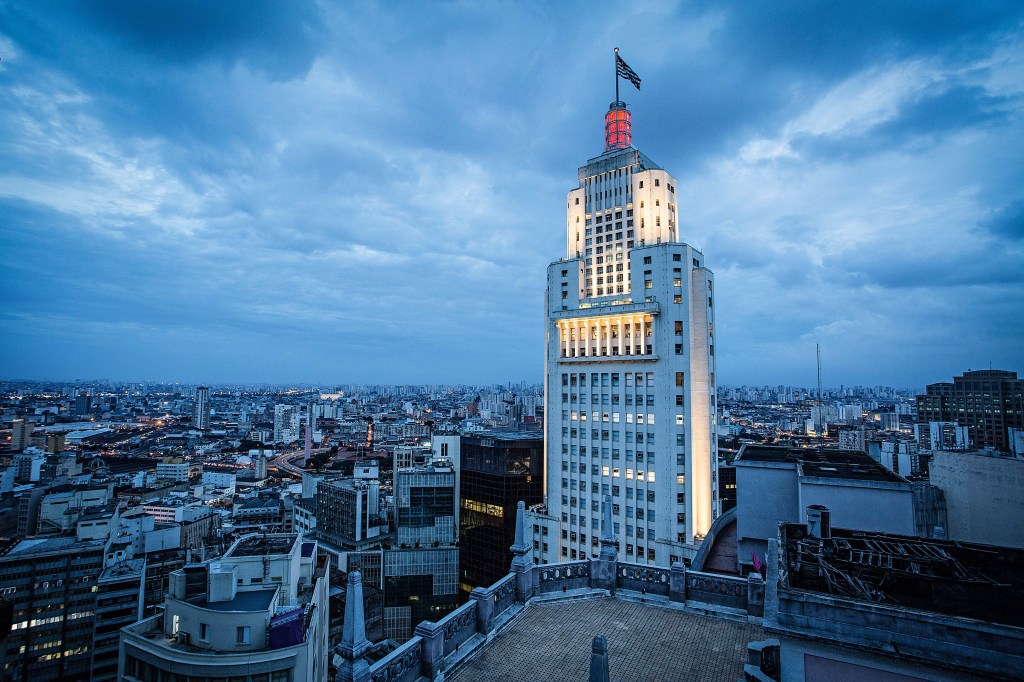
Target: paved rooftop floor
551,643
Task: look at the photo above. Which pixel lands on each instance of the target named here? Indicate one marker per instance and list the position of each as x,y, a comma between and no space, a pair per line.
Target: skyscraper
988,402
629,367
201,410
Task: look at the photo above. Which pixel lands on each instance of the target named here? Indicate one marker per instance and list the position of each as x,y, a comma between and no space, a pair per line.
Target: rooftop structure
775,484
850,465
860,605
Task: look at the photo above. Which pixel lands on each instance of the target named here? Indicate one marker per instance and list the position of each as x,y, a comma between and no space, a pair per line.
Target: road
283,462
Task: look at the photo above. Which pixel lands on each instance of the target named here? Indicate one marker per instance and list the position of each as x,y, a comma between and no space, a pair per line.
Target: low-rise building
776,484
260,611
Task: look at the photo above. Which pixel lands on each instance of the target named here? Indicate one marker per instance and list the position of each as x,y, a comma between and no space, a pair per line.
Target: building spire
353,638
521,548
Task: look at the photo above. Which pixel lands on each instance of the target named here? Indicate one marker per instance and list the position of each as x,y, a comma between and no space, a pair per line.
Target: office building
258,613
420,575
349,514
52,584
201,409
119,602
630,366
83,404
498,470
988,402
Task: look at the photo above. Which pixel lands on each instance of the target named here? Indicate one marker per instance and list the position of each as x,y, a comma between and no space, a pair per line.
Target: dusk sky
360,192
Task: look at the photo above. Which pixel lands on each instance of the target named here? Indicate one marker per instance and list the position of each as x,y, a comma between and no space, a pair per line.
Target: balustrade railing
401,665
563,576
458,626
504,594
643,579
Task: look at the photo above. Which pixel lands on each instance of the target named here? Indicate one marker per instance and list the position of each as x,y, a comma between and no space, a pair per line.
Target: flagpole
616,74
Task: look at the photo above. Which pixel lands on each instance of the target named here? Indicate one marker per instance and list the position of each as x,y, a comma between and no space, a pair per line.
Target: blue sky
331,192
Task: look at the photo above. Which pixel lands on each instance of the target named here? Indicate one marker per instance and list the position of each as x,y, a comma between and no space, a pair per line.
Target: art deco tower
629,367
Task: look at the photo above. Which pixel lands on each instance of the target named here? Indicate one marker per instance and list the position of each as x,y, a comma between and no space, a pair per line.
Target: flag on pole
622,69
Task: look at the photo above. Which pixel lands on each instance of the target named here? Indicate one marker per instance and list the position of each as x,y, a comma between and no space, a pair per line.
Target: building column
522,562
621,337
599,660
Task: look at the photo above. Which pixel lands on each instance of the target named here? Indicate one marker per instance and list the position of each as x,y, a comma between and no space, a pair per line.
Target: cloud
335,192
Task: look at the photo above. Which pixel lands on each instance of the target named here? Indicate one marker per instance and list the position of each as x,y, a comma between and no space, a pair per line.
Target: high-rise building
988,402
630,366
21,435
499,469
201,409
83,404
286,423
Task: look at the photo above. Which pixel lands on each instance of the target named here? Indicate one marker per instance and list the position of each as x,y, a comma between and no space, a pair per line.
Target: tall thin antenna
817,351
616,62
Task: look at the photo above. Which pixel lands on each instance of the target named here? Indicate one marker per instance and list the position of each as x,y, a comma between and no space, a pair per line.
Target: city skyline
324,194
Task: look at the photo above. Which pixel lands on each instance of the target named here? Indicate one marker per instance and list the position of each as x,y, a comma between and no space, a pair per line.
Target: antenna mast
817,351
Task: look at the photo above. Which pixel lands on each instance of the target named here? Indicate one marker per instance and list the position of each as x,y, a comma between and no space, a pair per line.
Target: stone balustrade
404,664
561,577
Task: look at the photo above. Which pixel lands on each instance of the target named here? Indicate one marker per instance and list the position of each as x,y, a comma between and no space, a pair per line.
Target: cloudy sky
332,192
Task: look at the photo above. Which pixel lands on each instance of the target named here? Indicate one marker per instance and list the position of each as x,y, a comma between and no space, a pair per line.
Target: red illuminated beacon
618,127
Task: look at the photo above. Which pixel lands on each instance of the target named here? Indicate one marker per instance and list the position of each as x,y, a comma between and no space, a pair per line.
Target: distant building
498,470
177,470
83,404
201,409
54,443
21,435
727,486
852,439
988,402
942,436
895,454
286,423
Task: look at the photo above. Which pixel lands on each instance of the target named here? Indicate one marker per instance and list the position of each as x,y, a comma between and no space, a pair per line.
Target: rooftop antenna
817,351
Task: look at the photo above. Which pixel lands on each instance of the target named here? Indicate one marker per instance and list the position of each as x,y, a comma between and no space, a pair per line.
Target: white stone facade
629,370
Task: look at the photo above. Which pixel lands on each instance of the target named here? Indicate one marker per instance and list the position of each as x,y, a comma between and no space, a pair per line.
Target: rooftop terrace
261,544
821,462
552,642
